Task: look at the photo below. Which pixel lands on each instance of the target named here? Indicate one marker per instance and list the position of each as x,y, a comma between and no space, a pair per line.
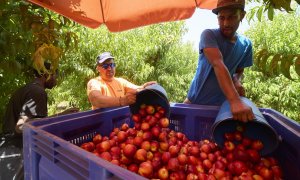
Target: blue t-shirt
204,88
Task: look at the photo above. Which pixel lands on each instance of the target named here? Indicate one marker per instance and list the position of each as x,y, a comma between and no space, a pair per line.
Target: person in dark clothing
26,104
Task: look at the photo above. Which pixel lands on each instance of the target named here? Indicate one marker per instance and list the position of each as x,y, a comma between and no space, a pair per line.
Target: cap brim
216,10
104,59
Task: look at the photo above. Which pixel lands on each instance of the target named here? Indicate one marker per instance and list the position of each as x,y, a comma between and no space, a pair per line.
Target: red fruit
165,157
154,146
132,132
240,155
182,159
162,111
173,164
273,161
203,155
133,167
253,155
229,146
97,139
115,151
103,146
89,146
152,121
175,176
184,150
112,142
124,127
137,141
141,155
145,126
238,136
218,173
122,136
246,142
229,136
147,136
106,155
162,136
142,112
257,145
193,160
174,150
146,169
202,176
129,150
150,155
207,164
125,160
205,148
194,150
158,115
164,122
146,145
229,156
115,161
163,173
239,167
277,171
212,157
219,165
137,125
156,163
156,130
136,117
163,146
191,176
150,109
266,173
257,177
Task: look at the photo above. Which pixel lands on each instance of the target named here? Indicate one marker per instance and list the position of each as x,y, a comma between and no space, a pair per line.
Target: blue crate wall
48,150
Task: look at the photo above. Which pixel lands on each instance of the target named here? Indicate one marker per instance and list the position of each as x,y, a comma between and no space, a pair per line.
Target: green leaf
297,65
259,55
263,61
285,65
259,13
271,13
274,67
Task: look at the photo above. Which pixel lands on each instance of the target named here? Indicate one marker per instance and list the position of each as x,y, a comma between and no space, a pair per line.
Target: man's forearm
225,82
104,101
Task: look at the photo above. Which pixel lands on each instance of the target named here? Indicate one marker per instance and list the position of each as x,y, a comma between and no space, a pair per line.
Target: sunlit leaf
286,62
271,13
297,65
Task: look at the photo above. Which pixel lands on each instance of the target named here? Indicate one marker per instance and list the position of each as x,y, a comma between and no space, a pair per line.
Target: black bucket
258,128
151,95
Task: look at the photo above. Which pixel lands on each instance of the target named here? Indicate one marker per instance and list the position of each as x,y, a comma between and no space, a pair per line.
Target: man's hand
149,83
241,111
70,110
128,99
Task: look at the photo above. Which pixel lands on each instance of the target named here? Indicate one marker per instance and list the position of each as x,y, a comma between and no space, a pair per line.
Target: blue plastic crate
51,145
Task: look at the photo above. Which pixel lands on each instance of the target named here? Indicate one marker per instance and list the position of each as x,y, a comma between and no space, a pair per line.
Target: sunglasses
105,66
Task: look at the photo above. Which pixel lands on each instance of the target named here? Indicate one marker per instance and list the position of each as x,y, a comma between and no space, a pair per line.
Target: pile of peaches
151,149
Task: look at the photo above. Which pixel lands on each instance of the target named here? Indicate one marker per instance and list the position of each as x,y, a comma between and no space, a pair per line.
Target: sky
204,19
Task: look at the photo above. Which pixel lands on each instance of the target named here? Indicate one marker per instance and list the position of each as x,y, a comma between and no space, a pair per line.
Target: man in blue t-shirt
223,55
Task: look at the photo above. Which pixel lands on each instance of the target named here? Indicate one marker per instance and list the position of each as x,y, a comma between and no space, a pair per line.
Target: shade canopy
120,15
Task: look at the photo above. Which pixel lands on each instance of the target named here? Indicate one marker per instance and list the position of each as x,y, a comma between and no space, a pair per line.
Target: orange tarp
120,15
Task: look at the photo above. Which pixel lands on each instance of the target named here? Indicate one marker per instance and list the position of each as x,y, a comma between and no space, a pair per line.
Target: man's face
107,69
229,21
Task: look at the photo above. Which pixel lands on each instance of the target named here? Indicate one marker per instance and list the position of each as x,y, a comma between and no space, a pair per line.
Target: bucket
152,95
258,128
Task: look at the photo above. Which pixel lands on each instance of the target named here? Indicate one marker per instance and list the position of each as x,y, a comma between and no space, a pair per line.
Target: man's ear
243,13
